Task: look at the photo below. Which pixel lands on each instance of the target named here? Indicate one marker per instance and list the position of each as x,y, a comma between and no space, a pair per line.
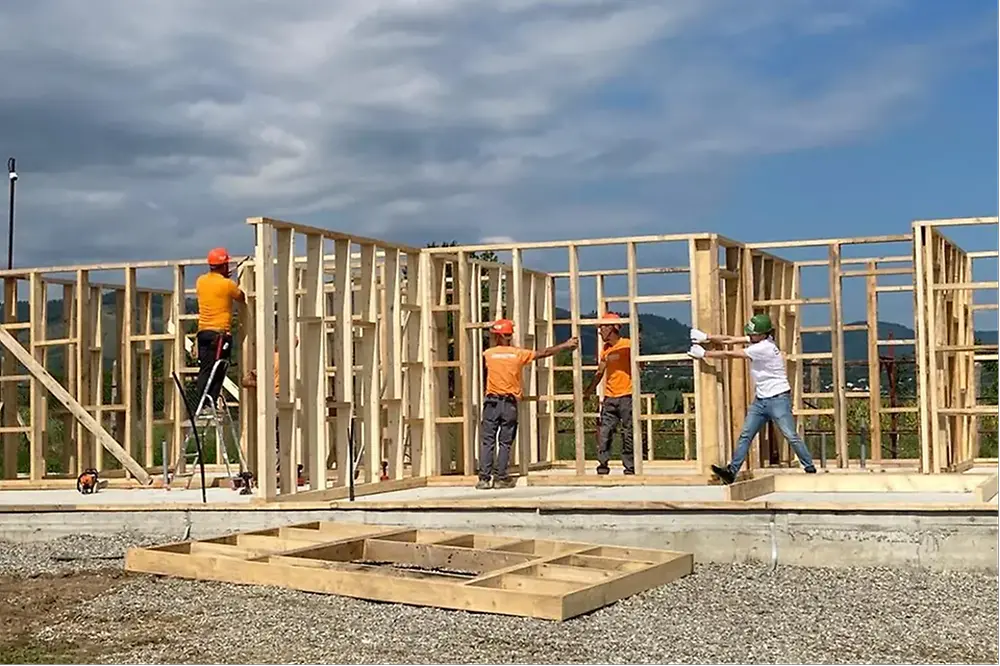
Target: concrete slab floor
870,498
616,470
126,497
607,493
114,496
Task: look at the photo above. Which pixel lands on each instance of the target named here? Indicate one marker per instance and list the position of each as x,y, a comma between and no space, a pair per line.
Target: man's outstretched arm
697,351
572,343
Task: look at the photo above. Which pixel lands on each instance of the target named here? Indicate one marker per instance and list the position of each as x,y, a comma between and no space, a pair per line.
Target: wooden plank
468,451
343,355
987,490
36,306
874,366
634,351
267,458
704,258
574,299
371,408
742,491
313,345
392,327
837,353
286,316
868,483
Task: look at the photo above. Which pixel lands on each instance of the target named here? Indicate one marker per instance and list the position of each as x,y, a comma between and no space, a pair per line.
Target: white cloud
407,117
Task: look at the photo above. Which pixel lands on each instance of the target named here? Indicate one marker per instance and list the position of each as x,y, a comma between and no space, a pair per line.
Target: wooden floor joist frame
552,580
411,403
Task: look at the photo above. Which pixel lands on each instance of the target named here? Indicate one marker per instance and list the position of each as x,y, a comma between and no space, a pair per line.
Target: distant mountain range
661,335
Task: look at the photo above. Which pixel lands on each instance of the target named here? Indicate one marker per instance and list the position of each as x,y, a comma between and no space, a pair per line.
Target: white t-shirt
767,368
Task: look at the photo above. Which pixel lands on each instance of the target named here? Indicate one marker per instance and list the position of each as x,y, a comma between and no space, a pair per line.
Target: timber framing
378,349
552,580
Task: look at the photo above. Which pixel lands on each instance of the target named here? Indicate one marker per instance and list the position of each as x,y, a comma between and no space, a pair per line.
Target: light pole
12,176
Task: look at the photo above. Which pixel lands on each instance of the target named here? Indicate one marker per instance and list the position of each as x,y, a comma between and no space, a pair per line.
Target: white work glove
698,336
696,351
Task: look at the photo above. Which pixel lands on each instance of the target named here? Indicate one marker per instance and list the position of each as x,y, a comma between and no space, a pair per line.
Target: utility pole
12,176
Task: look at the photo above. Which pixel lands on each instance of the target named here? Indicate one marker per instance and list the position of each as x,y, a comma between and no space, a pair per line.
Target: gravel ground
720,614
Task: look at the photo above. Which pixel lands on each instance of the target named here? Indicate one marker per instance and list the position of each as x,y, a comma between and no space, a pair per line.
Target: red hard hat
218,256
503,327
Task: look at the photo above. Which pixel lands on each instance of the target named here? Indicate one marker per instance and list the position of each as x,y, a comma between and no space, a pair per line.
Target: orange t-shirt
215,302
503,369
618,371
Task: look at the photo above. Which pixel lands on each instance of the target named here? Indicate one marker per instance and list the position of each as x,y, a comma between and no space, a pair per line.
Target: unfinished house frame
409,324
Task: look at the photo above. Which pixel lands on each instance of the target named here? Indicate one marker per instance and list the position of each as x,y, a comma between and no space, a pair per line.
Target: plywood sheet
554,580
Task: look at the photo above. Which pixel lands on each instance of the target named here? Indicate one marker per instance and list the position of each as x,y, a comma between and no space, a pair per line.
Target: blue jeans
778,409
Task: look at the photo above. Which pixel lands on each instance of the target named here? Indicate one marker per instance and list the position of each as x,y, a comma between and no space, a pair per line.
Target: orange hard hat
612,318
503,327
218,256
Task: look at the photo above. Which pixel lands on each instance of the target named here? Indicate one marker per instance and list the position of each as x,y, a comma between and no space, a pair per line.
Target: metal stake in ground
197,439
12,177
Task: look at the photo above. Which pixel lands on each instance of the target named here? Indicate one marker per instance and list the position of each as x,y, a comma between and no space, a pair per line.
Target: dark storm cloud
153,129
60,135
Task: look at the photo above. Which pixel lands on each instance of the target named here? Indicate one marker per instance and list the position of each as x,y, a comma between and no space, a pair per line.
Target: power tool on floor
244,481
86,483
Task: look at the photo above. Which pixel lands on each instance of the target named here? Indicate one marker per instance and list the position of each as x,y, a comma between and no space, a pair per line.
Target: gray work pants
499,427
615,411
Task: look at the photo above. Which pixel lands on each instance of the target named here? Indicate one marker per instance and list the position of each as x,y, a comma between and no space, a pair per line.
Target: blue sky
153,130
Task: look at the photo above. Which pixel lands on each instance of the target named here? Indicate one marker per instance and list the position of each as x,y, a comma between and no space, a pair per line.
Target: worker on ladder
216,292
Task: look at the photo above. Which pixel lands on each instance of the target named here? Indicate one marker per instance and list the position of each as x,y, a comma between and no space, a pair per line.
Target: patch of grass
25,649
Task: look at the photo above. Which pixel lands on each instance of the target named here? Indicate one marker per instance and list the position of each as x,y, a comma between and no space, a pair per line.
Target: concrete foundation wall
933,540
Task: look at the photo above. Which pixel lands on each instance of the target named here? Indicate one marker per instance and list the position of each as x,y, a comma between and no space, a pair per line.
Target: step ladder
212,417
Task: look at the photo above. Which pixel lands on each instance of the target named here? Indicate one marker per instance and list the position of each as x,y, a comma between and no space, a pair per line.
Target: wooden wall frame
947,352
411,330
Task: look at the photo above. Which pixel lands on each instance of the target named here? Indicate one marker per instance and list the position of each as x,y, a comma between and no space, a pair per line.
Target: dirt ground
28,606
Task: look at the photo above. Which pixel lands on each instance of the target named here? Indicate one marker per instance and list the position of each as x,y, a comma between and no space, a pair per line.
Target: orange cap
503,327
218,256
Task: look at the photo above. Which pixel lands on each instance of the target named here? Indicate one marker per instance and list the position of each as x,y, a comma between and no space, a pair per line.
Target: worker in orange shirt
504,366
216,292
616,408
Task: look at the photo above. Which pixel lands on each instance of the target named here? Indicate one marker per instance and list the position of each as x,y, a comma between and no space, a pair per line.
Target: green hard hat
760,324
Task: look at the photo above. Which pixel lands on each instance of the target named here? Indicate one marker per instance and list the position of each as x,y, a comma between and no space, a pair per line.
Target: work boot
724,473
627,471
810,470
484,484
504,483
603,469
